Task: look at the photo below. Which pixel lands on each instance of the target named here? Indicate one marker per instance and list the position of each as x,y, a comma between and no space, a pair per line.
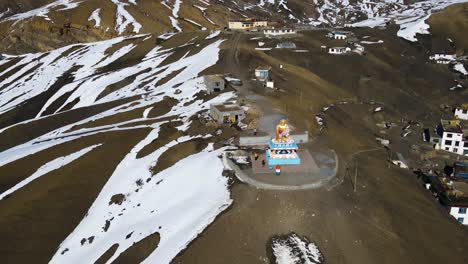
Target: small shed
214,83
359,49
262,73
338,35
339,50
286,45
270,84
227,113
461,112
279,31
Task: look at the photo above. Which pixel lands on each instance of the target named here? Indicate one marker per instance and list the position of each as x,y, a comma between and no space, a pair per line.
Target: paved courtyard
307,165
317,167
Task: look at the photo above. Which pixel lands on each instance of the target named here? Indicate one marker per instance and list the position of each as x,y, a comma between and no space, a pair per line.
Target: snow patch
95,16
293,249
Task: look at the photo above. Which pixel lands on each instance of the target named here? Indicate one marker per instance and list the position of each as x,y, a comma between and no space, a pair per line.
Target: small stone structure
227,113
214,83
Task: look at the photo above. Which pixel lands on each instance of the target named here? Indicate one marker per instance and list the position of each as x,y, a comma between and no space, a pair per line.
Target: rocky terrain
107,153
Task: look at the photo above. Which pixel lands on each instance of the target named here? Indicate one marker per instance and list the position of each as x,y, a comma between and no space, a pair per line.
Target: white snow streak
60,5
95,16
124,18
49,167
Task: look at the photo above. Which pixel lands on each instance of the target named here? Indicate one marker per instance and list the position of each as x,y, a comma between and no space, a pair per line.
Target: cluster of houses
451,189
231,113
228,113
452,135
350,41
264,26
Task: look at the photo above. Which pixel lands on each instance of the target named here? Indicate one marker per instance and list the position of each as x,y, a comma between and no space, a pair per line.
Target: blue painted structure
461,169
281,147
273,145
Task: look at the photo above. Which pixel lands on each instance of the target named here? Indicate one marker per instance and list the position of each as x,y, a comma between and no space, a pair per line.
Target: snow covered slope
137,76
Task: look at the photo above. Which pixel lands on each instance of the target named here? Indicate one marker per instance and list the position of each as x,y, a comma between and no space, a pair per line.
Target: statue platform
282,153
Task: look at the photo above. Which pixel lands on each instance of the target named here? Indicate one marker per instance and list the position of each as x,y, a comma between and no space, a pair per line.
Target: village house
339,50
214,83
454,137
358,49
279,31
461,112
227,113
453,195
262,73
246,24
338,35
443,58
458,210
455,200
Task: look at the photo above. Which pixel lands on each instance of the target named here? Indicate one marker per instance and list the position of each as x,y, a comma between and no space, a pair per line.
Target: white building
456,200
247,24
359,49
338,35
279,31
460,213
454,137
270,84
461,112
339,50
262,73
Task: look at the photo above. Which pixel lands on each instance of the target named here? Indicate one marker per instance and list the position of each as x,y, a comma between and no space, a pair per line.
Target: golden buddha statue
282,131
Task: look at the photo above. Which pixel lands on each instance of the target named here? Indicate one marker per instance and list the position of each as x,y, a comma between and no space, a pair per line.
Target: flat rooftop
461,187
451,126
214,77
228,107
463,107
263,68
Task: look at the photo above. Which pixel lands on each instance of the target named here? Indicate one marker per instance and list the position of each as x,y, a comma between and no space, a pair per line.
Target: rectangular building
227,113
214,83
339,50
454,137
246,24
279,31
461,112
338,35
